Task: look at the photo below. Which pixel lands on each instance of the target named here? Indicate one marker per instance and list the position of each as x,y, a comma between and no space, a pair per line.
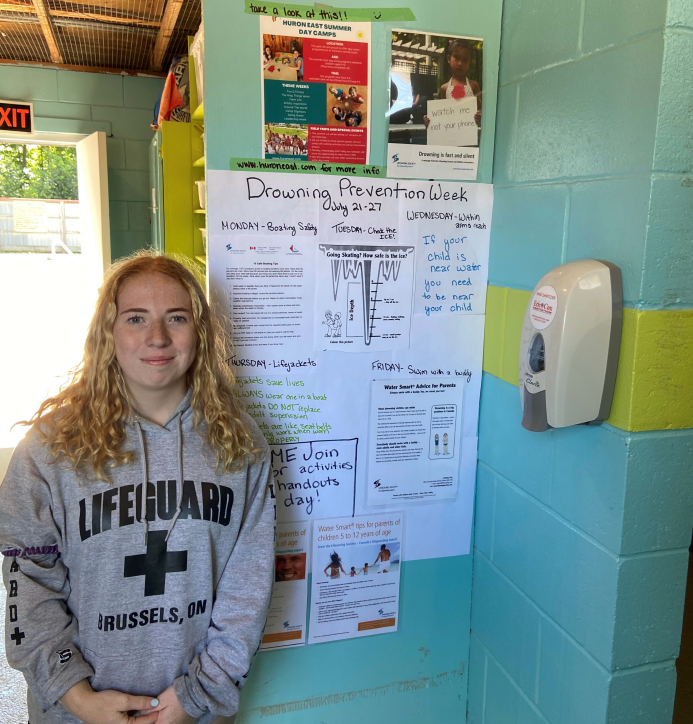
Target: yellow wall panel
515,308
493,329
663,371
178,188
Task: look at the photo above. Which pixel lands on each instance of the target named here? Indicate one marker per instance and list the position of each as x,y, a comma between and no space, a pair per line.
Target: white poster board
316,395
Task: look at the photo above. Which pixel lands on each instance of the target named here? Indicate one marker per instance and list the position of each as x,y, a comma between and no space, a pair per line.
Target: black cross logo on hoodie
155,564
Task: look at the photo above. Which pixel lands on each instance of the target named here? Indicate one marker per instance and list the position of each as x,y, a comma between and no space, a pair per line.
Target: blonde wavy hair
84,425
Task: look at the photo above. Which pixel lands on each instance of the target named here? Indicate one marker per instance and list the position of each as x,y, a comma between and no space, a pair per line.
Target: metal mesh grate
188,22
118,34
21,37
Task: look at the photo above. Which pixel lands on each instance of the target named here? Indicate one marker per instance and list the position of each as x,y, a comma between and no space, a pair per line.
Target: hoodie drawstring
179,504
143,501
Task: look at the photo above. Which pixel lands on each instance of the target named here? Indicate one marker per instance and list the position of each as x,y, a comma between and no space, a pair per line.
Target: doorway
54,246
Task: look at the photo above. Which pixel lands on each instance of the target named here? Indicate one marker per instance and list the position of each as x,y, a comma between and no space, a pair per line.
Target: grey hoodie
137,597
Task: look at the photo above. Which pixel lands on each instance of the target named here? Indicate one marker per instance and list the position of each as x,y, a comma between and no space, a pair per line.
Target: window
39,206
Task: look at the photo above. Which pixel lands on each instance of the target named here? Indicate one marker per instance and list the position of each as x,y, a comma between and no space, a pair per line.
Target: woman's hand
427,120
108,707
170,711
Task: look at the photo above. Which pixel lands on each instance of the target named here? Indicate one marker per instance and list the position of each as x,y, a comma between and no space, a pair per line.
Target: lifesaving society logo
294,250
401,164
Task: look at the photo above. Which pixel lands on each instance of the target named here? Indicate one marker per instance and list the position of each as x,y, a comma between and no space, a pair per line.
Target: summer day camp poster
315,90
435,106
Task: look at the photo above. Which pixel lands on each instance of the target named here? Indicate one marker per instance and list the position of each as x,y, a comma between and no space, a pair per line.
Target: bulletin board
422,352
235,102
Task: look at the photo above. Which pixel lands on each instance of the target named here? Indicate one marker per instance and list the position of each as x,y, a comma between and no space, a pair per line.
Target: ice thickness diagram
364,299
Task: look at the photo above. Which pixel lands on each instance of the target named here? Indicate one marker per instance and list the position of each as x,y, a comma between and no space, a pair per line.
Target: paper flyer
271,288
435,106
315,90
355,584
415,440
364,297
286,618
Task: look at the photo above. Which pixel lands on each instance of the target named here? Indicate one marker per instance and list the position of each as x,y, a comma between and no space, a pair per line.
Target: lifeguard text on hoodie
137,587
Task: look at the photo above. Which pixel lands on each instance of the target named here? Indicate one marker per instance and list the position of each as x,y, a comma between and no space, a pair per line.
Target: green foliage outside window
38,172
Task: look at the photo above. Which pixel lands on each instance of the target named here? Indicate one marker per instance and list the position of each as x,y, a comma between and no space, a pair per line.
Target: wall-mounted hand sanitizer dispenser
570,343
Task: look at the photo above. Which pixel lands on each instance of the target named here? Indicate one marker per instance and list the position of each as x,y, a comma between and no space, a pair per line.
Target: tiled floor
12,686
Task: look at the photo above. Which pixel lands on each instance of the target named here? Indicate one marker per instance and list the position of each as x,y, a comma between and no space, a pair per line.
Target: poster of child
435,101
428,68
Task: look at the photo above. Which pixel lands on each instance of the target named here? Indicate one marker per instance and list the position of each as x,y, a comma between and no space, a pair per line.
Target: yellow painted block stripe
663,371
514,316
178,188
654,385
493,333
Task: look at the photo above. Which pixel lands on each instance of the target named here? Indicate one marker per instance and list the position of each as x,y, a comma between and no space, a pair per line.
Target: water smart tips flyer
315,90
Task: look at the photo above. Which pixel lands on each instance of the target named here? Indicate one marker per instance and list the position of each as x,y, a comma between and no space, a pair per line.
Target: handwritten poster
317,398
452,247
358,213
355,584
286,618
415,438
315,89
314,479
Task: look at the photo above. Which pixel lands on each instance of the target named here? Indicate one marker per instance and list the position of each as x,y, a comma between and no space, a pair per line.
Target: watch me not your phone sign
16,118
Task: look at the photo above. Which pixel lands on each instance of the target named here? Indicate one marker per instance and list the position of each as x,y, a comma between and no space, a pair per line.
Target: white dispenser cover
570,343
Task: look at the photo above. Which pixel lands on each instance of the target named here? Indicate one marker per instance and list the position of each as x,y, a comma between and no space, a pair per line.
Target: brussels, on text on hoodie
137,587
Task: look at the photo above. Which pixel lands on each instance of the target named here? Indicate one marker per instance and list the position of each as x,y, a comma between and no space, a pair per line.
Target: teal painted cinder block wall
582,534
122,106
418,674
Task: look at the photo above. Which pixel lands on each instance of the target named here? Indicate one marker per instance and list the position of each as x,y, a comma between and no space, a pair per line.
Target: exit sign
16,117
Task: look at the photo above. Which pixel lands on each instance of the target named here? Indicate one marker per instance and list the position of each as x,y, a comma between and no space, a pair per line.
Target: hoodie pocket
141,673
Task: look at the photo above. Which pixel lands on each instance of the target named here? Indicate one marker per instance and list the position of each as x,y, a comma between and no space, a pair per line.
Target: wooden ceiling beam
16,8
168,23
105,18
48,30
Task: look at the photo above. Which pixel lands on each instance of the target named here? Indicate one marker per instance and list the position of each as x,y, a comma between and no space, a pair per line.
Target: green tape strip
310,12
334,169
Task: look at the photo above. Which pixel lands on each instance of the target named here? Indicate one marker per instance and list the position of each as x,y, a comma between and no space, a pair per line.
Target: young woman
135,519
